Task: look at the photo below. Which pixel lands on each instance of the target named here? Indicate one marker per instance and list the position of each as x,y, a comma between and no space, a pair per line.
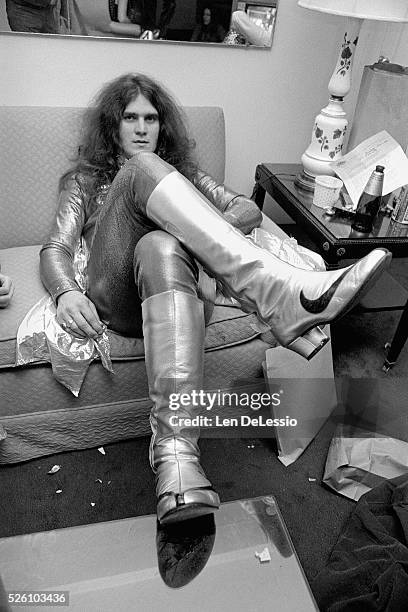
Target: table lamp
331,123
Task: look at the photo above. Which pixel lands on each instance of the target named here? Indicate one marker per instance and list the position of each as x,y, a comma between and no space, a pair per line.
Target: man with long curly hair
147,215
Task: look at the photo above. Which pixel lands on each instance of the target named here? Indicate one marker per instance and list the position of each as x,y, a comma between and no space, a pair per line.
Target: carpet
96,487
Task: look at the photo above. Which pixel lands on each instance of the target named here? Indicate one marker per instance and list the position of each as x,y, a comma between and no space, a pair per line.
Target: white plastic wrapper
41,338
287,250
264,556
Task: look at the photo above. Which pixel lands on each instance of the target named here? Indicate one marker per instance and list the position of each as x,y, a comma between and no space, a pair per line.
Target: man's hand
77,314
6,290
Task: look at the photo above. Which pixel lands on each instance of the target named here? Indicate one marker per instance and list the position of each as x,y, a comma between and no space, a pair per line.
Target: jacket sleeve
57,254
239,210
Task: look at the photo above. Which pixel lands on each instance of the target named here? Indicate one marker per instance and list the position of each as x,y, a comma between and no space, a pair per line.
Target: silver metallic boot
292,302
173,328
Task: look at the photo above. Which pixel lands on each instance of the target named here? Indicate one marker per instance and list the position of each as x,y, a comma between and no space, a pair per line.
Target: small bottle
369,202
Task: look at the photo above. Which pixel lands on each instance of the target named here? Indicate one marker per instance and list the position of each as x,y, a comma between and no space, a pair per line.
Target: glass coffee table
336,240
113,566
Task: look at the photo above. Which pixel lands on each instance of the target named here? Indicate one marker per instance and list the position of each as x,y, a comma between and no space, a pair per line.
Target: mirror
227,22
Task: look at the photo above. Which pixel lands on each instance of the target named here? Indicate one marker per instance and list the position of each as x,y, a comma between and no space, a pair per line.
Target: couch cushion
228,326
29,182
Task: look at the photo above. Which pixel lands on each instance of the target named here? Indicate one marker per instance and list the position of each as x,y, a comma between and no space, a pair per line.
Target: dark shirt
208,33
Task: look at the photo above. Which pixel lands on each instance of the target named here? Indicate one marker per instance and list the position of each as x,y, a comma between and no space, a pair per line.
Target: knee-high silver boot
292,302
173,329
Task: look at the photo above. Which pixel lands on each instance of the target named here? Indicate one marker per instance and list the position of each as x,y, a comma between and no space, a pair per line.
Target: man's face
139,127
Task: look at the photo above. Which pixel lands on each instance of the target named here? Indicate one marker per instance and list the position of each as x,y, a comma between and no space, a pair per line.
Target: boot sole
185,513
169,511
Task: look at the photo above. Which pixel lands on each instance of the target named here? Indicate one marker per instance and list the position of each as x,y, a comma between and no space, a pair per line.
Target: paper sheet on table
355,167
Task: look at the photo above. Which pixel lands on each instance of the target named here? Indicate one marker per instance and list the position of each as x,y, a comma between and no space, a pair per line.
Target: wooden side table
336,241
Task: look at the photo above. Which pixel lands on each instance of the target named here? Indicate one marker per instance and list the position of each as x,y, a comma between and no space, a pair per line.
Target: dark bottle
369,202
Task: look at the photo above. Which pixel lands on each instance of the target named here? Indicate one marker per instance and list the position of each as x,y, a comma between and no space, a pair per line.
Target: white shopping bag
308,395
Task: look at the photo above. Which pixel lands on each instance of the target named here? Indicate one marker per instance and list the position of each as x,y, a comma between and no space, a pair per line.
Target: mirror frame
235,5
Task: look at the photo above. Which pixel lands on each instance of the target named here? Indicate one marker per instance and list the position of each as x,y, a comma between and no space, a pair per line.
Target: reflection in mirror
253,22
202,21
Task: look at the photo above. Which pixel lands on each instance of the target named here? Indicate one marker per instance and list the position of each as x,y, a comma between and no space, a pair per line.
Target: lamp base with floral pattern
330,125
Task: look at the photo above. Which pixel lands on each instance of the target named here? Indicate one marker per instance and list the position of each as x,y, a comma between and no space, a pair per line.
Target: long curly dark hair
100,147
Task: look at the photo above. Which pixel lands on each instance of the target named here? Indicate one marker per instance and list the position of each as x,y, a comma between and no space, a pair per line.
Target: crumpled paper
289,251
359,460
41,338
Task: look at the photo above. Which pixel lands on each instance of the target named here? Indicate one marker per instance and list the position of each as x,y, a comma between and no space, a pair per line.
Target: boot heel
310,343
176,507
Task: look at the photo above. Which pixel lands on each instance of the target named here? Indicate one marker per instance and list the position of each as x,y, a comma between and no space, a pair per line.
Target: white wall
270,97
396,44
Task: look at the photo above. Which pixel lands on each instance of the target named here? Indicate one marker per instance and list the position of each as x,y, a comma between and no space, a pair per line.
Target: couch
38,416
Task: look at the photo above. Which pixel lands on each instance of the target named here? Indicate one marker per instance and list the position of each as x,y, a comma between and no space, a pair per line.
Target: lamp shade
380,10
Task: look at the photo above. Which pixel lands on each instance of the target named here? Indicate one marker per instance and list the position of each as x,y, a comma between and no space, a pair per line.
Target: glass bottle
369,202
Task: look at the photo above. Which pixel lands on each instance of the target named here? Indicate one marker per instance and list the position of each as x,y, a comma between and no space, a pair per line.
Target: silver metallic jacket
78,210
63,268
